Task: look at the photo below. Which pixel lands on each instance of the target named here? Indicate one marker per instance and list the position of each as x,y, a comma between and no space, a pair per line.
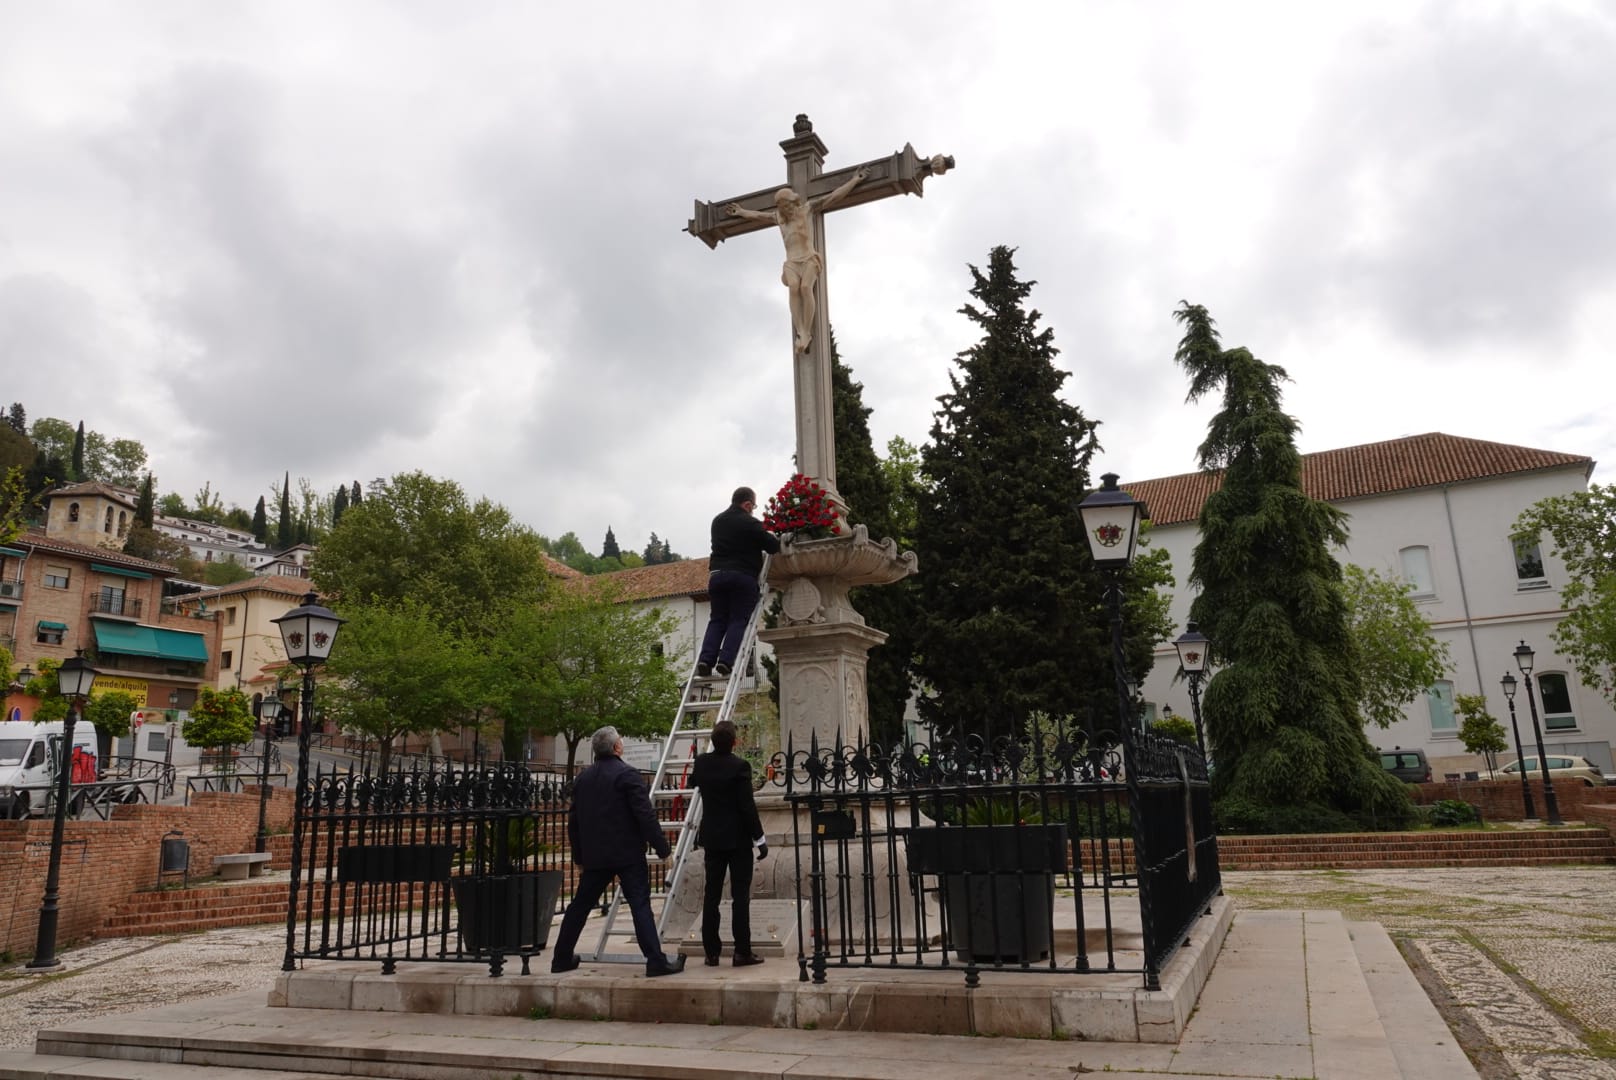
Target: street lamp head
1523,658
25,675
1192,647
1509,684
269,710
308,632
1111,521
75,677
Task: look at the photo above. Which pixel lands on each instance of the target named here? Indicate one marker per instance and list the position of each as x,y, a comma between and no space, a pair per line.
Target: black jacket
729,816
739,541
611,819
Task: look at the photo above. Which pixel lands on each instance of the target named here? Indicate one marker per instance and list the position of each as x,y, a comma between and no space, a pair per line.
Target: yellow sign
106,684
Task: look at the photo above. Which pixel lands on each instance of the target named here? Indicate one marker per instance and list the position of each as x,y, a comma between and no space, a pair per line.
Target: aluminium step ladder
704,702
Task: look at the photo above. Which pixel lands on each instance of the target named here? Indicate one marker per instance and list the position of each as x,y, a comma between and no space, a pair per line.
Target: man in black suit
610,824
729,830
739,544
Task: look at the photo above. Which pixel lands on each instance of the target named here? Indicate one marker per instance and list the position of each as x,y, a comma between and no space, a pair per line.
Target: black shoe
711,961
654,969
721,669
703,670
746,959
563,964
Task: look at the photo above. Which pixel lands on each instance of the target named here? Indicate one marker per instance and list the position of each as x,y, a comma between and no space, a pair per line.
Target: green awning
13,551
46,624
120,571
131,640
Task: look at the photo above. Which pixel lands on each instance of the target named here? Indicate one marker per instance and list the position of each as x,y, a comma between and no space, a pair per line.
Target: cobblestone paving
1526,956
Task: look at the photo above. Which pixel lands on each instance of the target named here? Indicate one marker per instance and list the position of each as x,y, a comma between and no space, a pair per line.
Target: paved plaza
1521,962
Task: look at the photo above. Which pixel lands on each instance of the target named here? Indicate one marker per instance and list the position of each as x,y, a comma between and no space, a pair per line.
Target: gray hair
604,742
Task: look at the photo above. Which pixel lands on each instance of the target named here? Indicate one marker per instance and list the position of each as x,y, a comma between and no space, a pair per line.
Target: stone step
22,1065
1420,1040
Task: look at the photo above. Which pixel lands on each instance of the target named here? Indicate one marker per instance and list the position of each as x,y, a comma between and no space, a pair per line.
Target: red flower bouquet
804,508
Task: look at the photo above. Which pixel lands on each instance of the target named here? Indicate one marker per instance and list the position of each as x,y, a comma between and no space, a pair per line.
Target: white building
214,543
1436,510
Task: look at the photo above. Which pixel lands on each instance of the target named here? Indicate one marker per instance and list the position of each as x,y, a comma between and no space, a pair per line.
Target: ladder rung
670,792
691,733
693,706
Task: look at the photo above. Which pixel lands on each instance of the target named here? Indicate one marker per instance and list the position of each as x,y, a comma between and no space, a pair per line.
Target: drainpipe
241,646
1464,598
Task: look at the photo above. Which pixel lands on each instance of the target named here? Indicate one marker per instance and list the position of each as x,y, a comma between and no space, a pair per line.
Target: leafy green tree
17,504
224,572
1282,710
260,522
653,551
145,504
16,449
44,688
1181,729
1479,730
1398,657
1582,532
397,669
123,463
1011,614
46,474
238,519
219,719
109,713
420,537
609,548
147,543
54,438
583,660
862,483
209,506
173,505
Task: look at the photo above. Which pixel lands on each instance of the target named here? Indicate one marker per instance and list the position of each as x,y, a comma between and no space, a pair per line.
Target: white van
27,762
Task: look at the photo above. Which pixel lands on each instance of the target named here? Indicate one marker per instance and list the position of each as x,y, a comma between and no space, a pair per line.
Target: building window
1416,562
1440,699
123,524
108,526
225,658
230,616
157,740
1528,565
110,602
1554,693
56,577
72,511
48,635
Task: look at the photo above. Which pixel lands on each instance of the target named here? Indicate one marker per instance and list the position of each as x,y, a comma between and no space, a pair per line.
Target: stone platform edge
1096,1006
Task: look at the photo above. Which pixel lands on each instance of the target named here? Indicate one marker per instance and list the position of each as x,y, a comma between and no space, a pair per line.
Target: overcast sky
353,239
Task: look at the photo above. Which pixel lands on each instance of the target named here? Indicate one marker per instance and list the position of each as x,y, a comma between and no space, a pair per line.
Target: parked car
1560,768
1410,766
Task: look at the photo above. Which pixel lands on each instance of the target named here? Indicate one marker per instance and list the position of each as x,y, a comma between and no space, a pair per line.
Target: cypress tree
1011,620
609,549
653,551
339,505
285,531
145,504
891,608
78,453
1281,713
260,522
354,499
17,417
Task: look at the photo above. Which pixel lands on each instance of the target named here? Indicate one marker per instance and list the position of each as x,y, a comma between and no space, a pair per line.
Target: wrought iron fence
1010,854
451,864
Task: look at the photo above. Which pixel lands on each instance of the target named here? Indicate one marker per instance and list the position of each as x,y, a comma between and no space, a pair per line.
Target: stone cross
798,210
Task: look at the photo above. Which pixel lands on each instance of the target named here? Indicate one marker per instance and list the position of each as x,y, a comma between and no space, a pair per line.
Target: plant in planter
802,508
505,906
998,880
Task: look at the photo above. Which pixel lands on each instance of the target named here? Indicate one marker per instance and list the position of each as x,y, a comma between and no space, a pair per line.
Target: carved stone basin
813,576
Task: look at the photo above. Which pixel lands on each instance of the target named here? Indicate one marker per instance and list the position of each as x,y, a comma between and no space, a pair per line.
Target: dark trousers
731,596
635,881
738,865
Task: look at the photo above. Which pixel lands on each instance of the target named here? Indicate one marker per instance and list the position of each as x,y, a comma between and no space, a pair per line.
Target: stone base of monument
883,997
774,930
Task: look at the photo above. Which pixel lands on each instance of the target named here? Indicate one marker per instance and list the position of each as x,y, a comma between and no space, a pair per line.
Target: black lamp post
73,679
308,632
1528,809
1111,522
269,711
1192,646
1523,660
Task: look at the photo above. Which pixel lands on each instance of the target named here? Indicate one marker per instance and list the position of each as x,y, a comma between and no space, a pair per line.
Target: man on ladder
739,544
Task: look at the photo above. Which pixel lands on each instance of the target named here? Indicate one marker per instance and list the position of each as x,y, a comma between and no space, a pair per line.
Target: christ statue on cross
803,265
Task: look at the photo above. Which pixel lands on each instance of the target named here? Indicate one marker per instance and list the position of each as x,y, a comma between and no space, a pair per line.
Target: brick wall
104,862
1500,800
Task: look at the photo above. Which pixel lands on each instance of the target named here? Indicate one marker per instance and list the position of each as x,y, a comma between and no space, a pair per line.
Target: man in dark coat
729,830
739,541
611,823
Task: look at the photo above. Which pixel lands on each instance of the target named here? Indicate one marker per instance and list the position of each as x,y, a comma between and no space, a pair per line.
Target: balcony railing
11,590
120,606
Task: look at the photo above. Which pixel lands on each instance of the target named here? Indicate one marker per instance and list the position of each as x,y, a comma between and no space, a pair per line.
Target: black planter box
394,863
508,913
998,887
983,848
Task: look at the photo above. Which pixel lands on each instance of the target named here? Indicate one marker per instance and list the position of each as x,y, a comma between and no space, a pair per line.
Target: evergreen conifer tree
668,553
260,522
145,504
354,499
78,453
339,505
609,549
1281,711
1011,620
653,551
890,608
285,530
17,417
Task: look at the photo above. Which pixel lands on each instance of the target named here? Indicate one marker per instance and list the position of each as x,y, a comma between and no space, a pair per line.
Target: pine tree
354,499
1011,620
1281,712
78,453
891,608
285,531
260,522
609,549
145,504
668,554
339,505
17,417
653,551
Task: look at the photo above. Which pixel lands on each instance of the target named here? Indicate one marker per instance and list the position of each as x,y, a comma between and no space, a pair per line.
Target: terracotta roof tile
95,487
1356,472
274,583
687,577
37,540
557,568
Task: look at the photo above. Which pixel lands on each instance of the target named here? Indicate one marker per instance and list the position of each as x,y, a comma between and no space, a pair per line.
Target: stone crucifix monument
823,644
